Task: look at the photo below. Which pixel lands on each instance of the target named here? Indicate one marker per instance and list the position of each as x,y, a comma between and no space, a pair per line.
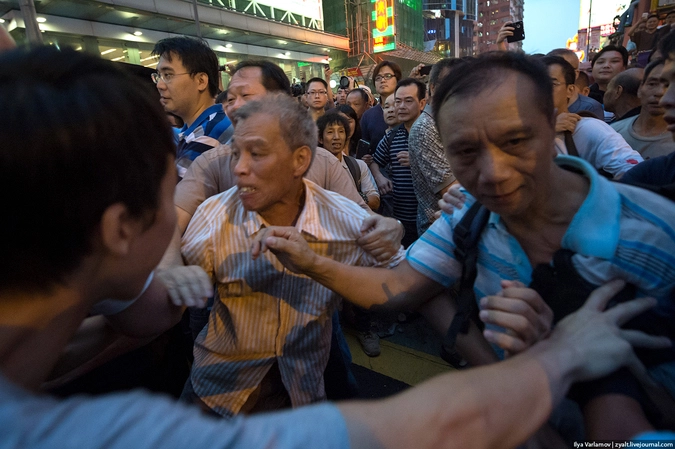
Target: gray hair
296,125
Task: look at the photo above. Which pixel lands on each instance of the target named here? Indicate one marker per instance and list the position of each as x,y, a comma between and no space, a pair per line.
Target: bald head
622,91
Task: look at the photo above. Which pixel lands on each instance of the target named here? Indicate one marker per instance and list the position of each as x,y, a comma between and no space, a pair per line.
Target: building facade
290,33
492,15
449,26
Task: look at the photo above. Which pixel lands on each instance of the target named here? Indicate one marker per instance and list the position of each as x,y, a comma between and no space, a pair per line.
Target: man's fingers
368,223
507,342
527,330
627,310
641,340
602,295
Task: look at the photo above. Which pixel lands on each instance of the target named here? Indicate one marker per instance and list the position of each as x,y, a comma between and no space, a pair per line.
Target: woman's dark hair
78,135
356,136
331,118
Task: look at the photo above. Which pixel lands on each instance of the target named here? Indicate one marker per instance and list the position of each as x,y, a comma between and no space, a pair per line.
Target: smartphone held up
518,32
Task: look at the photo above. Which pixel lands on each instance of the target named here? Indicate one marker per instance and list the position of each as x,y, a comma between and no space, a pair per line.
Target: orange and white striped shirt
263,312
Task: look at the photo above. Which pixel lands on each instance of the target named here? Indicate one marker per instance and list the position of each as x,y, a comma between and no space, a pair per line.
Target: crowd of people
523,207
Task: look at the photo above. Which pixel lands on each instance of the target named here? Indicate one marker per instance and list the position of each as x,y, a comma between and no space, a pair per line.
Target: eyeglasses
557,83
167,77
316,93
386,77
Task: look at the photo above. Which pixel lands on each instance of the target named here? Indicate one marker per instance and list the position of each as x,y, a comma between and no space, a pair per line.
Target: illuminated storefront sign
384,35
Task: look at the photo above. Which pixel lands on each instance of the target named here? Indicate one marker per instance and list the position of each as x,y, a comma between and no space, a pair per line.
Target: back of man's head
583,83
440,69
79,135
273,77
195,55
489,69
629,80
667,46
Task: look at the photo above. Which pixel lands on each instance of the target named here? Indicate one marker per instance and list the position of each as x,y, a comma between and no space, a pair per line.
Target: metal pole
199,28
33,32
588,30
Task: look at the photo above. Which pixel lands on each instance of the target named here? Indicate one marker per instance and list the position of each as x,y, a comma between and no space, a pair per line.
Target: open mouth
244,190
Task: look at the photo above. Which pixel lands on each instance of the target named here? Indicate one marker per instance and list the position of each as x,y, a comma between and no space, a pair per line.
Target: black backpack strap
569,144
355,170
466,236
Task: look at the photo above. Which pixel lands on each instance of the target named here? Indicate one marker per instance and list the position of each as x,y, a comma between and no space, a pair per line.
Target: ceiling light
108,51
41,20
2,20
283,42
138,33
78,49
228,45
118,58
288,53
147,59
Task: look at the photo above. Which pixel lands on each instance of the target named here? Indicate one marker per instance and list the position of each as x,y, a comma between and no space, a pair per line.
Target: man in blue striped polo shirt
495,116
187,81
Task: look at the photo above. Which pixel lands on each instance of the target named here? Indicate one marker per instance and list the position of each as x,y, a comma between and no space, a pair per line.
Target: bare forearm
472,408
151,314
398,288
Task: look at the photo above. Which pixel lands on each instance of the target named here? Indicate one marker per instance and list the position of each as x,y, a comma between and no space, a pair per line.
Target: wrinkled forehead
246,77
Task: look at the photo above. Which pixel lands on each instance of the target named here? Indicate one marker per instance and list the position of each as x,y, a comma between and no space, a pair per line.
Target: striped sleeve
197,245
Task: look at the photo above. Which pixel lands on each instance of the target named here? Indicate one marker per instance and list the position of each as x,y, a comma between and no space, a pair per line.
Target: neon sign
384,36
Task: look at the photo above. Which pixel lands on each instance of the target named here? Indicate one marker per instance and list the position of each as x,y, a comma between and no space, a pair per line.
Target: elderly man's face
499,144
651,91
265,166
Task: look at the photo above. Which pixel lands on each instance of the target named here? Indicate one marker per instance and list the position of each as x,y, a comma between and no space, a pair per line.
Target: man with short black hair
578,101
606,64
317,97
410,99
647,132
187,81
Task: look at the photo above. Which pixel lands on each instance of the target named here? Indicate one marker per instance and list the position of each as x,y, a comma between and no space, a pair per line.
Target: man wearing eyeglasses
385,77
317,97
187,81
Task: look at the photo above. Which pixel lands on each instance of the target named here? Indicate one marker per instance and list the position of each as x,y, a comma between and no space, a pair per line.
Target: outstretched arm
399,288
475,408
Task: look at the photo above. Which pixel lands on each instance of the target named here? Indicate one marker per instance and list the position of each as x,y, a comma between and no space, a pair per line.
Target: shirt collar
211,110
594,229
308,220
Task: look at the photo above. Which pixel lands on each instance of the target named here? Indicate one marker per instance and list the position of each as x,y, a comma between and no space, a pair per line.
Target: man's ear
423,103
202,81
118,229
571,88
302,158
585,91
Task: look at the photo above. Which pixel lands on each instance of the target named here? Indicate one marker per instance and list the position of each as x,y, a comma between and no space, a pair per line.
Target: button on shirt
265,313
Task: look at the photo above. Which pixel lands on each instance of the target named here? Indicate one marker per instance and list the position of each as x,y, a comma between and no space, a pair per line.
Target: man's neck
623,108
198,109
410,123
540,229
573,98
316,113
287,210
648,125
34,329
602,86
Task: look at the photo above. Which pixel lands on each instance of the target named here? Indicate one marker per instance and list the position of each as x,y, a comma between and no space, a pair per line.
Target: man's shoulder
323,157
423,122
218,205
334,204
371,113
621,126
